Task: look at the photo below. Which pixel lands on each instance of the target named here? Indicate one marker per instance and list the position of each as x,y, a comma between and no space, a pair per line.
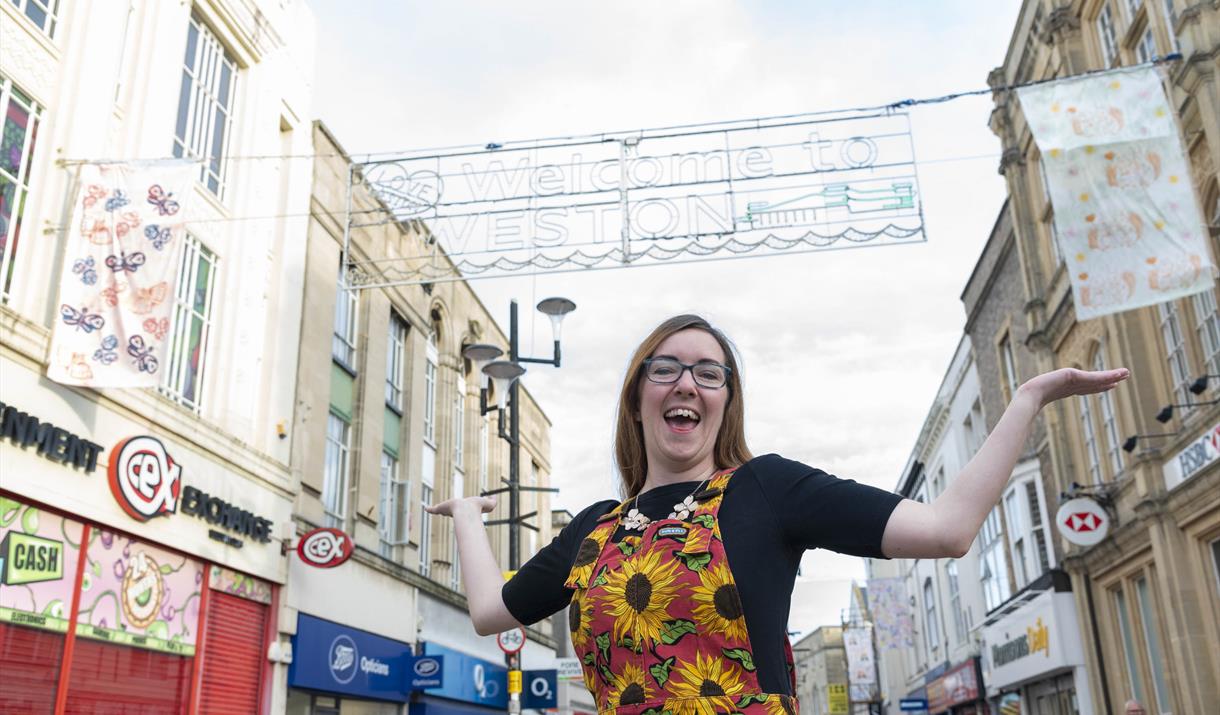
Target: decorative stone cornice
1060,24
1011,157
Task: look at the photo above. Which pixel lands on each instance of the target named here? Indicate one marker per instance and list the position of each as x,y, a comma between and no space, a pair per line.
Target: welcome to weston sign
812,182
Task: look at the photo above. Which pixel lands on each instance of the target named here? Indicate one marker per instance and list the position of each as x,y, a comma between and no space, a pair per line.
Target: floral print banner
861,665
1128,224
117,286
887,601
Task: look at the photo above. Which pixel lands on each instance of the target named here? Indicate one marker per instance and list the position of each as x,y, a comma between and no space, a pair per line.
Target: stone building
1147,598
387,420
177,613
821,672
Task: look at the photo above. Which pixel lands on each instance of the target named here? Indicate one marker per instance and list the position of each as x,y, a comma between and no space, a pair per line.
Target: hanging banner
117,287
1126,217
674,195
887,602
861,663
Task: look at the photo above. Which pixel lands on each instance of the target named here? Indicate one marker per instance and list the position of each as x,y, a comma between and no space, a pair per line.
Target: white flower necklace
635,521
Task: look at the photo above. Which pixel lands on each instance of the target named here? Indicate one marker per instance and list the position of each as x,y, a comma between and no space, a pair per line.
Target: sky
842,351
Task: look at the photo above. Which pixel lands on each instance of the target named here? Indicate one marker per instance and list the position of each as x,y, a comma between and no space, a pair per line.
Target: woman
678,598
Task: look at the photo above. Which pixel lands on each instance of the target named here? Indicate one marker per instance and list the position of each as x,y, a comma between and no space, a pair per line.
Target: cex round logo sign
325,548
144,479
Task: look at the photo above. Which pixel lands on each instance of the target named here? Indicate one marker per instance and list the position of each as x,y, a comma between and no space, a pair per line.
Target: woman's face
681,420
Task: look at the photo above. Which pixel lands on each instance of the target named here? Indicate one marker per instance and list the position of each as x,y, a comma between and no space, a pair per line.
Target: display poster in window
118,283
39,551
239,584
139,595
1125,213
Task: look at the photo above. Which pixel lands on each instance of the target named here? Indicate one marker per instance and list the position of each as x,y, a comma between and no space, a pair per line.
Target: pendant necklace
635,521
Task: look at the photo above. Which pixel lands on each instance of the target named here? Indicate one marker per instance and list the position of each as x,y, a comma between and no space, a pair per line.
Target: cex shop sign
325,548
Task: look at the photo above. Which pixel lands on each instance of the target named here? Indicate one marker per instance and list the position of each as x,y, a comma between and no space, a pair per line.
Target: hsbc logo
325,548
1083,521
144,479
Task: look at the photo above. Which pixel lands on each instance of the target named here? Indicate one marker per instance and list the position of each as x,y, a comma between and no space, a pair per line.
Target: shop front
958,691
343,670
1033,661
472,686
137,573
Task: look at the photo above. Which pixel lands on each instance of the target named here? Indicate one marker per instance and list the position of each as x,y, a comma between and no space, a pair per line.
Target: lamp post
505,375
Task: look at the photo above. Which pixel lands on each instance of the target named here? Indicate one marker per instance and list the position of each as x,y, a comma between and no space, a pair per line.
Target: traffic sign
512,640
540,690
568,669
912,704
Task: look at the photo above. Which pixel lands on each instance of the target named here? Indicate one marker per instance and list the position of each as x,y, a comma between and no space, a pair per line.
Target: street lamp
504,375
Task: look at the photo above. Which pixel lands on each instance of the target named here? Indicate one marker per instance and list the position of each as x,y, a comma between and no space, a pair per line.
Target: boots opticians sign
147,483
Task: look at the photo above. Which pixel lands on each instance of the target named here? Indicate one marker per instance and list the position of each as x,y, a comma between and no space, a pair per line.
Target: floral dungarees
657,622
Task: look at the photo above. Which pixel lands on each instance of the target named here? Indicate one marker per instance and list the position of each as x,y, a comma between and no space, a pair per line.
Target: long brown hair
629,454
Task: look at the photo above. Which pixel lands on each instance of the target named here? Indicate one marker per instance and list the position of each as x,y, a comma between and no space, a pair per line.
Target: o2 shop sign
325,548
147,483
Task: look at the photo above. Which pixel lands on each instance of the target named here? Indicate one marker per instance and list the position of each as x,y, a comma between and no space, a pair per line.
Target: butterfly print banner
116,296
1128,225
892,619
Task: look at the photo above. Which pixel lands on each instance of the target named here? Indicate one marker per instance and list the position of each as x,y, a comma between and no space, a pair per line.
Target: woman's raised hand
1068,381
480,505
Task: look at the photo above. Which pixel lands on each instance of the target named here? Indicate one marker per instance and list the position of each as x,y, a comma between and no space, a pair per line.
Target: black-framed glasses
666,371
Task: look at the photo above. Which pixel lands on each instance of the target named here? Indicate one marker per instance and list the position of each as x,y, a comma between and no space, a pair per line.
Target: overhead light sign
719,190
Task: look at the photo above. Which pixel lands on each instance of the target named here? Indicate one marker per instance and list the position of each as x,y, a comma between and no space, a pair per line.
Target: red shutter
108,678
234,655
29,668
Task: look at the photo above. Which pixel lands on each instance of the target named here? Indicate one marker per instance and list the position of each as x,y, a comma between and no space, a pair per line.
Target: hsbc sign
1083,521
1197,456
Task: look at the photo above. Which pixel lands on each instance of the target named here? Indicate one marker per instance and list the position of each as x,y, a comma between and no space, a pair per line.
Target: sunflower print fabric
657,622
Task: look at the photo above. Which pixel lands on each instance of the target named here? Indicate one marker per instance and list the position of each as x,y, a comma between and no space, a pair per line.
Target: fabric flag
887,602
861,665
1127,221
117,286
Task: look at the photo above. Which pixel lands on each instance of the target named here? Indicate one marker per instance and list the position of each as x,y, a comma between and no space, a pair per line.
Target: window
1008,366
1036,528
1090,439
343,345
184,373
1109,426
1171,23
425,531
395,349
392,518
993,565
1105,31
1129,652
335,471
205,105
484,434
41,13
975,430
1216,561
430,392
455,573
1017,534
459,424
1134,7
931,632
1146,49
1175,352
955,602
21,117
1207,326
1152,642
938,482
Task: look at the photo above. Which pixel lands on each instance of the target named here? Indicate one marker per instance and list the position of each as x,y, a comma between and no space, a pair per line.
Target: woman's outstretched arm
946,527
481,574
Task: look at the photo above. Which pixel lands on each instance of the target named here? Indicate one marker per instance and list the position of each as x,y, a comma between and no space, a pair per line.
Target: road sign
1083,521
511,641
912,704
540,690
514,681
425,671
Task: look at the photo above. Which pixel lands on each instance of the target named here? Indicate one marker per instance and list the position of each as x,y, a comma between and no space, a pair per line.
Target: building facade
386,421
821,672
945,595
104,606
1147,598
